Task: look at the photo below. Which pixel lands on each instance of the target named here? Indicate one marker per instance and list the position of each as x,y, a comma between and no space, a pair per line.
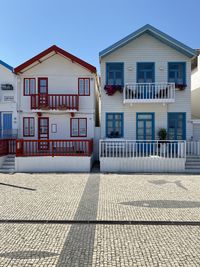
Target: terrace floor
68,201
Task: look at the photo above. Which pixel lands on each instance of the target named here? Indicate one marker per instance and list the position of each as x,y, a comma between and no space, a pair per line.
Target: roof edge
190,52
6,65
59,50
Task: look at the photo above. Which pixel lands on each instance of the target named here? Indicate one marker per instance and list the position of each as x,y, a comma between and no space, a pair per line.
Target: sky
85,27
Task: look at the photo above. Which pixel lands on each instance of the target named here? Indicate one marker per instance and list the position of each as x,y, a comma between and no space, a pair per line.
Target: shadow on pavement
79,244
164,204
22,255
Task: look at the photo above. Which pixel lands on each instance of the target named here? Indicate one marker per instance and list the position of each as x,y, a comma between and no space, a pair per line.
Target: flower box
180,86
111,89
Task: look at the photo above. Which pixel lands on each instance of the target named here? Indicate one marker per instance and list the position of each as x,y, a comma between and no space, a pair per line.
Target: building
145,103
8,102
58,108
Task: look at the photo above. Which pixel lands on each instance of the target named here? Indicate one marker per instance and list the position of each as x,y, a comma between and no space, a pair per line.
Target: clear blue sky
85,27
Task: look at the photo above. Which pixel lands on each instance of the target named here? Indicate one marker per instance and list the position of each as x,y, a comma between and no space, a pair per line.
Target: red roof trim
57,50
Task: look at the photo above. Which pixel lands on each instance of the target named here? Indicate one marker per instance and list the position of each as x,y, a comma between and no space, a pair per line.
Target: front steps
8,165
192,164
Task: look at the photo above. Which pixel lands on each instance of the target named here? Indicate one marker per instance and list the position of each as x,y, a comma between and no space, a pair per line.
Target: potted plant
162,134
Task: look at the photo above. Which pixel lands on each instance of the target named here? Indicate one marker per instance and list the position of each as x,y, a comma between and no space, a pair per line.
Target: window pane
32,127
32,86
26,86
82,127
81,86
74,127
87,86
43,82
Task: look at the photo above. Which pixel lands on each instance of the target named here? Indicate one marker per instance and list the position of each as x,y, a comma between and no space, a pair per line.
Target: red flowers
180,86
111,89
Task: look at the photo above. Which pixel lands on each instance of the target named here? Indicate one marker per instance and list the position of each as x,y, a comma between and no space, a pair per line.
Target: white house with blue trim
145,103
8,101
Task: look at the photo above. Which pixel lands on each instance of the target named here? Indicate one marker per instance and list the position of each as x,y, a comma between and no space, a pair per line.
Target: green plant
162,134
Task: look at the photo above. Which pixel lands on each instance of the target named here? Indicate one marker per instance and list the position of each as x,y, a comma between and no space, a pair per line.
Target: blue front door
145,126
176,126
145,74
7,124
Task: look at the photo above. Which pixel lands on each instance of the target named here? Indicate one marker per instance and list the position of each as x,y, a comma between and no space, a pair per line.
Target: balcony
63,102
35,148
149,93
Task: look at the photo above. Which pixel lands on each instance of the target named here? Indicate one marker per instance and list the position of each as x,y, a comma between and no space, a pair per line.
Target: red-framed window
29,86
78,127
84,86
28,126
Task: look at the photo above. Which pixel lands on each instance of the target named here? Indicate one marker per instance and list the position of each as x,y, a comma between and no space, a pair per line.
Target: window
176,126
84,86
28,126
79,127
115,74
114,125
177,73
29,86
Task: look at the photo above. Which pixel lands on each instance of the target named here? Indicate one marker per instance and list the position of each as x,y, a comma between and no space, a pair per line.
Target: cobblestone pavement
90,245
103,197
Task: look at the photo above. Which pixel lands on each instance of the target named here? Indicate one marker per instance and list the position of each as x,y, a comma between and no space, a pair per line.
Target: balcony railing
55,102
33,148
149,93
137,149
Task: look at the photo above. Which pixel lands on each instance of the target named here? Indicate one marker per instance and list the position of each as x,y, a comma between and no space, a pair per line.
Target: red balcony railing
33,148
55,102
7,146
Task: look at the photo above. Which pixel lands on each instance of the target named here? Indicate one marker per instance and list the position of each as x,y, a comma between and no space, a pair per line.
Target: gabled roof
57,50
168,40
6,65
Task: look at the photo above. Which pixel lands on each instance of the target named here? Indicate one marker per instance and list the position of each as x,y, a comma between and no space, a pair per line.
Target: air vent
6,86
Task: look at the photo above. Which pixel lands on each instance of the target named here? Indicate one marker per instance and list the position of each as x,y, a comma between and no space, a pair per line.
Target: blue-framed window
145,72
115,73
177,73
145,126
114,125
176,126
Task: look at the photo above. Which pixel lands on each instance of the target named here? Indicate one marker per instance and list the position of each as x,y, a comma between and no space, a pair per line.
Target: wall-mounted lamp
130,68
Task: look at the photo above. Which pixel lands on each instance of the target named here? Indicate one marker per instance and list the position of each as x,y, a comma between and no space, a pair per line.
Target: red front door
43,92
43,132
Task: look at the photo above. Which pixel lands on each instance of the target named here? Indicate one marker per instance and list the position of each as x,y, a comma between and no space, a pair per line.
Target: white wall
145,49
8,77
141,165
53,164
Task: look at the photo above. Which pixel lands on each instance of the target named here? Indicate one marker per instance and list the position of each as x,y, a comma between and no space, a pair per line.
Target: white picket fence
193,148
137,149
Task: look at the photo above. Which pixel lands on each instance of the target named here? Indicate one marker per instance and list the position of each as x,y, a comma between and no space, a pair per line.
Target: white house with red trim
145,103
58,105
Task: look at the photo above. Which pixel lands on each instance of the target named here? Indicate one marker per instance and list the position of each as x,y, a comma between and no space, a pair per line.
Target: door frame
39,118
153,123
42,78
